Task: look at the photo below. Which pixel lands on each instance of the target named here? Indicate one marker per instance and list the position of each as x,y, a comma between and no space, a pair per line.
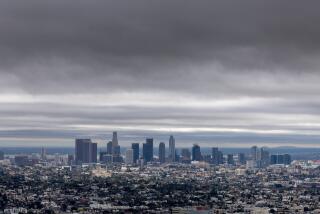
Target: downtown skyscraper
162,152
196,153
135,148
172,149
85,151
115,143
148,150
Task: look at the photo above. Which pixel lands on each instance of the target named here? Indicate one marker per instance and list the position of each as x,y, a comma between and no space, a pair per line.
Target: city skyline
217,73
159,106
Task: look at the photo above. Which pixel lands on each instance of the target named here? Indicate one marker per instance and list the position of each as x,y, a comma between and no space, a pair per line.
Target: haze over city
220,73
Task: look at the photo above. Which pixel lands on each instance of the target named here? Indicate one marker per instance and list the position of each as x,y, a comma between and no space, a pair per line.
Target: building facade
148,150
162,152
85,151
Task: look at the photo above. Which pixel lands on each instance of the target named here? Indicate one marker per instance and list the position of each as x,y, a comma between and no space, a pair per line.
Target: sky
218,73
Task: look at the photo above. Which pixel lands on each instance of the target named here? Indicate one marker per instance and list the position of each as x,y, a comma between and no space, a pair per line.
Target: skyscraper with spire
114,139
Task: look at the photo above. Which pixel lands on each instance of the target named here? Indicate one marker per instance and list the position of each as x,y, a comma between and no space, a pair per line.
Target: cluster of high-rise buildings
86,152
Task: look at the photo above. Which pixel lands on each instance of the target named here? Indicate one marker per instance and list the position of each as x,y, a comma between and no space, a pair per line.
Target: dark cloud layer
161,44
248,66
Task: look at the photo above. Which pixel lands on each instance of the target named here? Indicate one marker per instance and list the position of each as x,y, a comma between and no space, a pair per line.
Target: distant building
230,159
254,153
116,156
280,159
70,159
109,148
114,139
162,152
148,150
273,159
117,159
251,164
264,159
85,151
135,148
1,155
177,156
185,156
172,152
21,160
116,150
196,153
102,155
217,156
286,159
107,158
207,158
129,156
241,158
260,156
94,152
43,153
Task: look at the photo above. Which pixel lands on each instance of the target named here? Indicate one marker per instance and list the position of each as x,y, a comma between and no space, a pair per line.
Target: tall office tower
135,148
215,155
241,158
286,159
85,151
82,149
114,139
264,158
220,157
129,156
116,156
148,150
94,152
109,148
43,153
196,153
172,149
185,155
162,152
254,153
230,160
1,155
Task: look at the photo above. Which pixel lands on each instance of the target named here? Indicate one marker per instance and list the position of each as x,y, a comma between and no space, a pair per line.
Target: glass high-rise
109,148
148,150
85,151
196,153
135,148
162,152
172,149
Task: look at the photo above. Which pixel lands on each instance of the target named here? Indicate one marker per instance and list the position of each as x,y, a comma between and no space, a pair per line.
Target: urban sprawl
176,180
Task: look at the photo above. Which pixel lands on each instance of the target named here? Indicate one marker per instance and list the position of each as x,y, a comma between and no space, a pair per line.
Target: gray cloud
134,64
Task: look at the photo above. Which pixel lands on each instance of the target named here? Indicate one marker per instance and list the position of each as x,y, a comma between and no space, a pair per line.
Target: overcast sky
219,73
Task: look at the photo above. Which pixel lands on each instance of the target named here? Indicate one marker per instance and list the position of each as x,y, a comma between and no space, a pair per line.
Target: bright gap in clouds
45,118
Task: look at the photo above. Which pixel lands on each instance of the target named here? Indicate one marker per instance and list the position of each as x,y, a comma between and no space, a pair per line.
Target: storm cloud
224,72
